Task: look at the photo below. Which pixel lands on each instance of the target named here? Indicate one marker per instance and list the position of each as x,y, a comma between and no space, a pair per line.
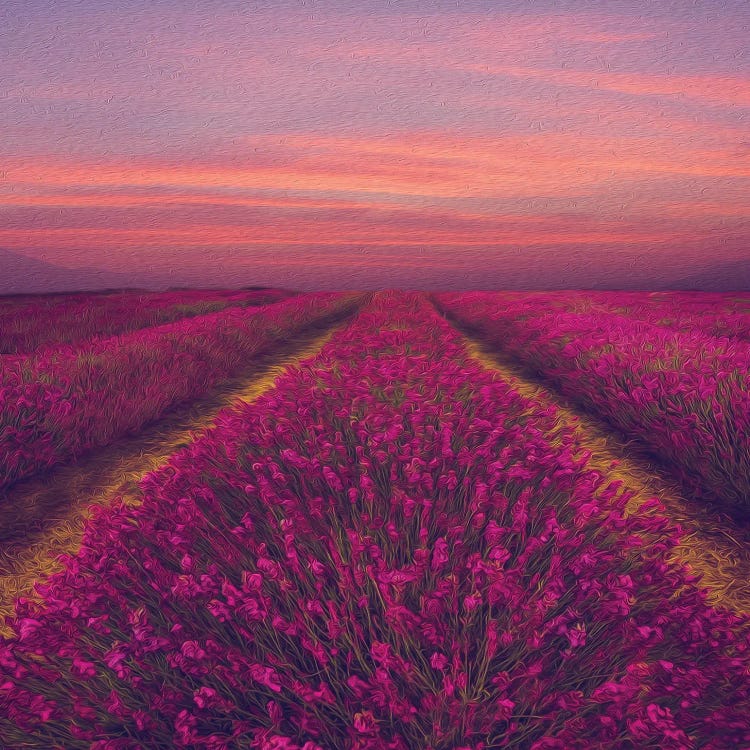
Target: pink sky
422,144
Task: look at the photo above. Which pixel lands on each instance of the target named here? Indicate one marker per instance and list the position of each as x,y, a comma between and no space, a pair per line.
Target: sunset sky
332,144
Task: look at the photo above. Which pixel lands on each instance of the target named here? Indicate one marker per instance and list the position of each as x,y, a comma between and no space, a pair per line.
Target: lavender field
375,521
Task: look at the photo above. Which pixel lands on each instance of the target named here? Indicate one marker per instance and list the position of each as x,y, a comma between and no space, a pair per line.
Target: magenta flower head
83,668
438,660
364,722
472,601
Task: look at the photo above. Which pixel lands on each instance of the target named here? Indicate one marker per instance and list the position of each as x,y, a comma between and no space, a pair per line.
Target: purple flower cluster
683,393
391,549
63,401
27,326
718,314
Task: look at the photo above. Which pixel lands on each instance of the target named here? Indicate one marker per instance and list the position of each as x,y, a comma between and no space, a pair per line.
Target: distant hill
20,274
732,276
539,268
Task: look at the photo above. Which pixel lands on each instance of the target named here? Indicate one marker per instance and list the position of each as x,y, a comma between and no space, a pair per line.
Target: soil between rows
713,544
44,516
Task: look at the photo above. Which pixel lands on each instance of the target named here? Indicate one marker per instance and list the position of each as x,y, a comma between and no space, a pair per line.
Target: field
375,521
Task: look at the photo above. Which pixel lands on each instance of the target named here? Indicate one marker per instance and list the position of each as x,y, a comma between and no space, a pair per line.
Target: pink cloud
723,89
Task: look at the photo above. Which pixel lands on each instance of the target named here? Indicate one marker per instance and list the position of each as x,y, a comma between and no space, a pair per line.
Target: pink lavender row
698,302
719,314
715,313
391,549
683,394
46,321
62,402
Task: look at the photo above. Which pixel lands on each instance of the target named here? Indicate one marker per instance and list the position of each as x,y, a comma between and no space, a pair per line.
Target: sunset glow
421,144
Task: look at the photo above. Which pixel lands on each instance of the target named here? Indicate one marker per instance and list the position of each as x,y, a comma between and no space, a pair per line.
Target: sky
322,145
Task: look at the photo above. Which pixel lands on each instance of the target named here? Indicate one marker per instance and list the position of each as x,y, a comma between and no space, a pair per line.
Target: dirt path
44,516
712,544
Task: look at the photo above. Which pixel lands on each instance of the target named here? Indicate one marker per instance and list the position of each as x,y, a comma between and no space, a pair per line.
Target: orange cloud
698,209
413,165
535,39
372,191
133,200
297,231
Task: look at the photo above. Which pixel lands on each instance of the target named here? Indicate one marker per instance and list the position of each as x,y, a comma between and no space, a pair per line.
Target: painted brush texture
716,315
67,399
72,318
339,145
394,549
682,392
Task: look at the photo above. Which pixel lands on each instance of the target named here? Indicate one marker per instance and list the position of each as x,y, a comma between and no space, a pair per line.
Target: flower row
64,319
719,314
684,394
61,402
390,549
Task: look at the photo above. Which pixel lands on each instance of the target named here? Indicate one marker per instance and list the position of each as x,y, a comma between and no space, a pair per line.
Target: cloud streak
465,127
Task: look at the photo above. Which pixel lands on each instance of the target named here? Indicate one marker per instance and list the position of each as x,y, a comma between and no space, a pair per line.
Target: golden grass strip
44,517
712,544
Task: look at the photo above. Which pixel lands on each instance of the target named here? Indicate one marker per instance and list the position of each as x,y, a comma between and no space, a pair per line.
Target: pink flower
499,555
192,650
396,577
270,567
472,601
438,660
332,479
184,725
577,635
493,533
381,652
449,687
266,676
275,712
83,668
27,627
505,708
203,696
364,722
439,553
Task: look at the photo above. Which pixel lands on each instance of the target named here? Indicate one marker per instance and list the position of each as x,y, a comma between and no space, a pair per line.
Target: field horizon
631,271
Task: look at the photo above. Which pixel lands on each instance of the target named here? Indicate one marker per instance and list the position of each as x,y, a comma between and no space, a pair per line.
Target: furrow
44,517
712,545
